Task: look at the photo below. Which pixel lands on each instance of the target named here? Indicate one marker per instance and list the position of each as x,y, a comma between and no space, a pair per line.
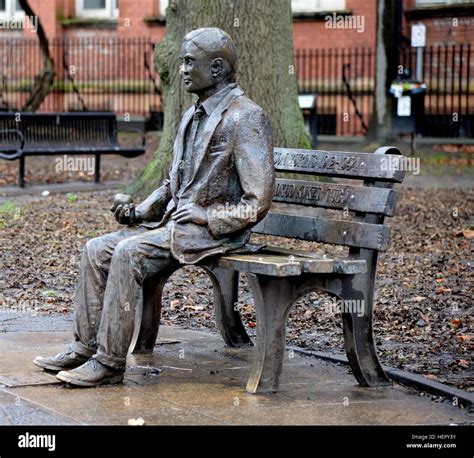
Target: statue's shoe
67,360
92,373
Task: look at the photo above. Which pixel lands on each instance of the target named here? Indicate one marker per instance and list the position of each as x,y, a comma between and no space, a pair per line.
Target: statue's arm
253,155
153,207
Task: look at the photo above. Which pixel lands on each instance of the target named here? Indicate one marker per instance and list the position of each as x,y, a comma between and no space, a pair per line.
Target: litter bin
408,108
307,103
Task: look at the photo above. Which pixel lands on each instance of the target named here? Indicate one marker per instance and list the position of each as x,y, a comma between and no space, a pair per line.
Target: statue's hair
216,43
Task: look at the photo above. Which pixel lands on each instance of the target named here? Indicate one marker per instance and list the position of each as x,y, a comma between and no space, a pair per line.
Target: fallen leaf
174,303
468,233
455,323
136,421
442,290
462,338
431,377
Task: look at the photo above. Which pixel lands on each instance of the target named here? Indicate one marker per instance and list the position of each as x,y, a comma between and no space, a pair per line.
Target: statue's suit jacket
232,178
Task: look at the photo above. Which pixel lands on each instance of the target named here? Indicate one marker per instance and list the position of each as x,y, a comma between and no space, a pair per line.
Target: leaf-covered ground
423,313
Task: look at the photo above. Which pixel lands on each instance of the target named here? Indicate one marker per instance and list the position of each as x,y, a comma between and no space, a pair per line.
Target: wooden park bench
45,134
279,276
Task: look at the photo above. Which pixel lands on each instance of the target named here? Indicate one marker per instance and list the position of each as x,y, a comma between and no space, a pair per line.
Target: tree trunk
387,52
262,31
45,78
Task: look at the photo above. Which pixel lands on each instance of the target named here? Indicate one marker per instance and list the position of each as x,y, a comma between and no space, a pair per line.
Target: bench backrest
360,209
67,130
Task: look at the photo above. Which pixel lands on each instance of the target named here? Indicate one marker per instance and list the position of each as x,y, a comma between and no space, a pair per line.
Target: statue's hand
191,213
124,210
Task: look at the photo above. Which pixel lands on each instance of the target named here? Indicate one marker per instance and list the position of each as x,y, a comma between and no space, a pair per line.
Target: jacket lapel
208,132
179,150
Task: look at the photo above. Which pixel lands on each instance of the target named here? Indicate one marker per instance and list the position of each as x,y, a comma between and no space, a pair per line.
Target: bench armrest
19,151
133,129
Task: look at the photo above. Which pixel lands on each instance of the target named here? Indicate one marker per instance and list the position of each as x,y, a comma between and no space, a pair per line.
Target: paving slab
193,379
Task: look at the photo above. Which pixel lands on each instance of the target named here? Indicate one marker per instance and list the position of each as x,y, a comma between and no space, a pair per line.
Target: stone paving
193,379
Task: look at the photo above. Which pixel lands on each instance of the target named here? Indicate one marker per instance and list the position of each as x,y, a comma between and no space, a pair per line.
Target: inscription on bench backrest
336,163
336,196
359,200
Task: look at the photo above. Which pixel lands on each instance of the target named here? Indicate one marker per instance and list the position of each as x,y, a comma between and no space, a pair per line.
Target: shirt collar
211,103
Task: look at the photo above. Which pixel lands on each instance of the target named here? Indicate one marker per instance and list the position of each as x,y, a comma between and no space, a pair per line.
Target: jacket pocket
218,148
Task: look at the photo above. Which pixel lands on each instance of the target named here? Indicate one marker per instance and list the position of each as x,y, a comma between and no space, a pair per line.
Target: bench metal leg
226,284
97,169
21,172
360,345
273,298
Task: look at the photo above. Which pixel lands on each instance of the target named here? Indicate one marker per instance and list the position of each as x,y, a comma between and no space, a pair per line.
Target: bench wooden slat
336,196
336,163
318,229
290,265
278,266
324,264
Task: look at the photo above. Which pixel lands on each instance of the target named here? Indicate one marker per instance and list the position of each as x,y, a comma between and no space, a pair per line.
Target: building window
10,10
107,9
297,6
163,5
441,2
317,6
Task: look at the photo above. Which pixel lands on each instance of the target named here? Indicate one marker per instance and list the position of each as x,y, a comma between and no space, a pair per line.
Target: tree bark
263,34
380,128
45,78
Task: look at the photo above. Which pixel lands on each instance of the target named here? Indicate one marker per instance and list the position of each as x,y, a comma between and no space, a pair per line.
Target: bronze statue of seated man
220,184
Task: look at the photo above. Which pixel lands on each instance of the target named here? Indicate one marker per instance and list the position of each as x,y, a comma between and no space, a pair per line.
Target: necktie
188,159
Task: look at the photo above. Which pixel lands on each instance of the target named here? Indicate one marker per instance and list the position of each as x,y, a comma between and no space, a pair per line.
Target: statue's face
196,68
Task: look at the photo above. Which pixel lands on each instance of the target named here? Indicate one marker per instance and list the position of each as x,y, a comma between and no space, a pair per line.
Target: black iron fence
117,74
92,74
344,79
448,72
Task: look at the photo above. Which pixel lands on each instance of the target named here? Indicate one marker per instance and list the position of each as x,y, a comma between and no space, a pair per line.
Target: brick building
447,21
103,54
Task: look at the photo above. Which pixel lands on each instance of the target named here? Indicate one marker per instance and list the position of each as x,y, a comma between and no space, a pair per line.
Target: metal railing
92,74
117,74
448,71
343,80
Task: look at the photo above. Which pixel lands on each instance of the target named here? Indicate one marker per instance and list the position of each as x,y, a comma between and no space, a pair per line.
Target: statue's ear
217,67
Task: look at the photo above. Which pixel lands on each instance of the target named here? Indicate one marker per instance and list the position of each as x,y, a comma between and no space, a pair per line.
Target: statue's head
208,58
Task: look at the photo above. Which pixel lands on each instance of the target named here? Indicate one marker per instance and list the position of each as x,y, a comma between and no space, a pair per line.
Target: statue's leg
146,328
134,261
92,279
